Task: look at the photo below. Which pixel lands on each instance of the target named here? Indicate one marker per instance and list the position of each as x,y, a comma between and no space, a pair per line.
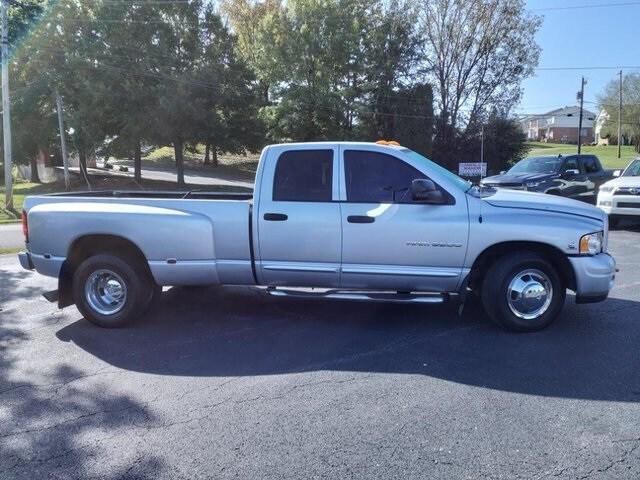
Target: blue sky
580,37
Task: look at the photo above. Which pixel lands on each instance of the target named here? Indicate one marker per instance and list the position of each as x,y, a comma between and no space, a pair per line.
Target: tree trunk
137,162
35,178
82,156
178,147
214,156
206,154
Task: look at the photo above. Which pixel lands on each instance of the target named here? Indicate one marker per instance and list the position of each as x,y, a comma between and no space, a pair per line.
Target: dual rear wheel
110,290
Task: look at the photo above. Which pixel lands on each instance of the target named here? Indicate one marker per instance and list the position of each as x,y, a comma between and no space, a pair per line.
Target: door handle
360,219
275,217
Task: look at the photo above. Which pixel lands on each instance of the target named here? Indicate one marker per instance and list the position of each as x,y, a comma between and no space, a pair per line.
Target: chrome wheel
105,292
529,294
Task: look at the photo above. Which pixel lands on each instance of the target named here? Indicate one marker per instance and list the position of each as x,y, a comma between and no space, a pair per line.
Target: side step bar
360,295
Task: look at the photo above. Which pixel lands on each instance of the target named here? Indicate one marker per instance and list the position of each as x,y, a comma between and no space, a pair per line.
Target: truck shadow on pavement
591,352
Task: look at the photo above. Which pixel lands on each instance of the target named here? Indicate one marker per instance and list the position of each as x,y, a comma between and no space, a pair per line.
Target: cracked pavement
230,383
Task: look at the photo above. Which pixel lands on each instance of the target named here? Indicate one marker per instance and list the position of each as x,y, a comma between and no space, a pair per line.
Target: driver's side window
374,177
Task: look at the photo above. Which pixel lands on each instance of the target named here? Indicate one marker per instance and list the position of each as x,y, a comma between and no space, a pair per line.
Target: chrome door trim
301,267
402,270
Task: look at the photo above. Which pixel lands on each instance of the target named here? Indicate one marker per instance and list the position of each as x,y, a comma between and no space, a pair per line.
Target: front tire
523,292
109,291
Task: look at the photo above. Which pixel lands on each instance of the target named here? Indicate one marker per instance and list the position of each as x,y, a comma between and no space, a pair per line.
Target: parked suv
573,176
620,197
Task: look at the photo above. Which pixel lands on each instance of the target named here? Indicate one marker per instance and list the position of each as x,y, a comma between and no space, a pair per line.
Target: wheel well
549,252
89,245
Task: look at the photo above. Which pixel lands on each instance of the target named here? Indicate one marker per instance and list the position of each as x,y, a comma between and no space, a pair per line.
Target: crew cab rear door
299,231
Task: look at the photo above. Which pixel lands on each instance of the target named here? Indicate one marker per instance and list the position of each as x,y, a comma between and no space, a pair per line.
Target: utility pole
6,109
620,114
581,98
63,140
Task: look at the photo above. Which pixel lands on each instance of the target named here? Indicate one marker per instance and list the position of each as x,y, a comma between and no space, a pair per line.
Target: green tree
504,143
315,47
231,122
394,106
630,115
27,109
476,56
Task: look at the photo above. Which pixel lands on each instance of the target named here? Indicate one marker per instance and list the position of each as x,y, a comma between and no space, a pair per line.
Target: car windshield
537,165
633,170
462,184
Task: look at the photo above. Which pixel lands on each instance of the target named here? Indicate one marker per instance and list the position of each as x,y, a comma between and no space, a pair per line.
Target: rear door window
590,164
304,176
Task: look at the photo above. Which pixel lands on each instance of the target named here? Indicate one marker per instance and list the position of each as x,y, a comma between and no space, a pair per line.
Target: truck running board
360,295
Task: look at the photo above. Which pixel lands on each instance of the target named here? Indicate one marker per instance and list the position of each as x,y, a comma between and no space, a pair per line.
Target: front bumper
619,204
595,276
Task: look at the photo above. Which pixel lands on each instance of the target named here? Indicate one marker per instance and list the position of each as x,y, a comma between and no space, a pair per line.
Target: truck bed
190,237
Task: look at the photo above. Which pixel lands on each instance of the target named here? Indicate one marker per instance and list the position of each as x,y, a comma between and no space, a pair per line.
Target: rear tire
110,291
523,292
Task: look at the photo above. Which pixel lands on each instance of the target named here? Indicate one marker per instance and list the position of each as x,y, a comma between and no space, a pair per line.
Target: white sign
475,169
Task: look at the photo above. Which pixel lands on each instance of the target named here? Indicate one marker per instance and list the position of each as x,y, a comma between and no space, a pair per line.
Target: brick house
559,126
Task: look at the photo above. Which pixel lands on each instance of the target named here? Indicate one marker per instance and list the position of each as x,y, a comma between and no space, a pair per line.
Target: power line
599,67
582,7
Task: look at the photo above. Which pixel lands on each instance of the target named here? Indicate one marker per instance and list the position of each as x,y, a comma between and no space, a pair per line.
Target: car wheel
614,221
110,291
523,292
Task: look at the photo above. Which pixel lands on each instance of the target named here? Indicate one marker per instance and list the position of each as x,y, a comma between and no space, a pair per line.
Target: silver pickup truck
360,221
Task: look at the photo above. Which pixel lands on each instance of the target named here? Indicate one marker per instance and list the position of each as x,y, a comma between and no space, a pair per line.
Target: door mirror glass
424,190
617,173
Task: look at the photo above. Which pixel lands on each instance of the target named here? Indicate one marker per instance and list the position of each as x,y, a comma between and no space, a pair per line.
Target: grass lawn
7,251
20,190
608,154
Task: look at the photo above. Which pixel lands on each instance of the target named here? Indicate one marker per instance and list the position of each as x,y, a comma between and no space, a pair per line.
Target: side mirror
425,191
572,171
617,173
502,172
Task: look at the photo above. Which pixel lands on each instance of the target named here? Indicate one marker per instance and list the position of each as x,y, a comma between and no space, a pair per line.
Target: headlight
532,184
591,244
605,188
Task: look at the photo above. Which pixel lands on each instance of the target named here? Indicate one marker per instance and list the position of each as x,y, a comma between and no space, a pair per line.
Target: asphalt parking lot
230,383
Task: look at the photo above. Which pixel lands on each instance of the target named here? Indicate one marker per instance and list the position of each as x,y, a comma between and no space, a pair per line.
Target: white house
560,126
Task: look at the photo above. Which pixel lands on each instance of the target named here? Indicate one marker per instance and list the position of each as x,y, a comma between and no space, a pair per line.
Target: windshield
462,184
633,170
537,165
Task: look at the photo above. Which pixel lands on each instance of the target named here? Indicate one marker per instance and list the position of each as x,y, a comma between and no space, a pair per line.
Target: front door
299,231
390,241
